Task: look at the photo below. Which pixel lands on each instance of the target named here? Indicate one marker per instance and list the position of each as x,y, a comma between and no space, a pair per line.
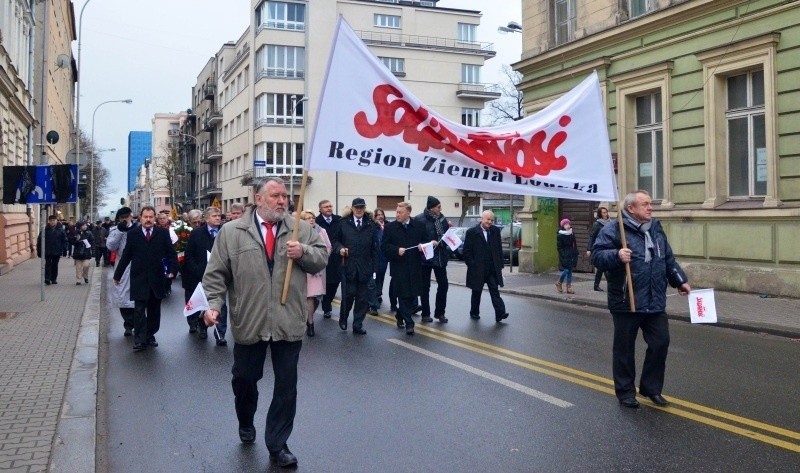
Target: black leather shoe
326,315
54,282
47,282
373,312
629,402
658,400
409,330
139,346
425,319
401,324
597,288
247,434
128,332
500,318
193,328
221,342
151,341
342,323
202,333
474,316
359,331
283,457
441,318
86,280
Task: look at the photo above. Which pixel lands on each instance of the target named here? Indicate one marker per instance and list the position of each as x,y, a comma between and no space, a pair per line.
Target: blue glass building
140,144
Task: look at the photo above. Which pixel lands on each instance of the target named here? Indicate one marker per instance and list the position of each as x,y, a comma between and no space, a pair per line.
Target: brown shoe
559,287
569,289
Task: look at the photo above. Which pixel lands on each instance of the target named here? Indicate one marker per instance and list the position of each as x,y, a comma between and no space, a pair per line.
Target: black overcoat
146,260
362,248
196,257
482,256
406,270
332,274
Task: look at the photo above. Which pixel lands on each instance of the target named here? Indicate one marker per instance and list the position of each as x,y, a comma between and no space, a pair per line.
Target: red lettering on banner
700,309
395,116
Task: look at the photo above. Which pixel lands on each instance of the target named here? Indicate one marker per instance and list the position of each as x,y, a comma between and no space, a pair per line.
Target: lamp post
291,143
512,27
78,104
92,163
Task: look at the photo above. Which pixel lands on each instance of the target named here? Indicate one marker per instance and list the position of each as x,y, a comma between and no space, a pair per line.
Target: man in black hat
434,225
356,245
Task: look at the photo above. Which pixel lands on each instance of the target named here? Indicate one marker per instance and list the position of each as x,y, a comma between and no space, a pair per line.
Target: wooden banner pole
628,277
298,208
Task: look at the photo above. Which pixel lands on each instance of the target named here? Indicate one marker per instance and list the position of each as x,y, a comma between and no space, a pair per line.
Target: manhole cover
7,315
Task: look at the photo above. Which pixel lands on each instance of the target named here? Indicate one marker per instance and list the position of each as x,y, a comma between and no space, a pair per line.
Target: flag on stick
197,302
451,239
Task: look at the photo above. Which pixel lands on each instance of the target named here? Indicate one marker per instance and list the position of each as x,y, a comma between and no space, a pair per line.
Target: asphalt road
530,395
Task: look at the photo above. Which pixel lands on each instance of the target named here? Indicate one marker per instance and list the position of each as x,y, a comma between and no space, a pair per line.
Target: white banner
368,123
702,307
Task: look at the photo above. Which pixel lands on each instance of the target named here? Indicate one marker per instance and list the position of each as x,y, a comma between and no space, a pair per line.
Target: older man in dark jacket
330,222
652,266
435,225
483,254
355,243
402,241
55,240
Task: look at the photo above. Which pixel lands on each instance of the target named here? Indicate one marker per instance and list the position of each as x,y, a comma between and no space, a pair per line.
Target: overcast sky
151,51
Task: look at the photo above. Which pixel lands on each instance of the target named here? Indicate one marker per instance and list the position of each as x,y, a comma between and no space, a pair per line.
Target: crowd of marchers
243,259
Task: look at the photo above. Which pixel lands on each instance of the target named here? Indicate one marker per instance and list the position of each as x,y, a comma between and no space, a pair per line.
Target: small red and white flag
197,302
451,239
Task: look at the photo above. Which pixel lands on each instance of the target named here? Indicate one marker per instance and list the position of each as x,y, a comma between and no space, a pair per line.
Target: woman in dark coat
82,243
567,255
601,221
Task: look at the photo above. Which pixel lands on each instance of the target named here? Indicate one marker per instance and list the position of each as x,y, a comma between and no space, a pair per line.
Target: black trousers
357,298
598,275
248,369
192,319
51,268
330,294
405,308
99,254
441,290
127,316
490,280
146,318
655,331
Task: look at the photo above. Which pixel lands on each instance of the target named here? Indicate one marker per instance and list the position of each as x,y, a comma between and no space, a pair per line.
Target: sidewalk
48,375
751,312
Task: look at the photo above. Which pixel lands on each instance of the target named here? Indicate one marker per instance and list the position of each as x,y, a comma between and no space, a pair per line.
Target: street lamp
92,163
78,104
512,27
291,143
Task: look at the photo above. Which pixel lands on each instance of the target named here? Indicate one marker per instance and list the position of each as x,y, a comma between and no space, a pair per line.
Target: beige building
268,83
36,96
164,164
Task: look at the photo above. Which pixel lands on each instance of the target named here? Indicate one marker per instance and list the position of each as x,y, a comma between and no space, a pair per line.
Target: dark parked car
516,243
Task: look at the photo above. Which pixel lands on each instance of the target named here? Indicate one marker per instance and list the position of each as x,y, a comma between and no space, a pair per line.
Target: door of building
581,215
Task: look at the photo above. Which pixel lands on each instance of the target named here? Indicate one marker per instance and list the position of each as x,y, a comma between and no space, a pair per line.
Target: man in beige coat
248,263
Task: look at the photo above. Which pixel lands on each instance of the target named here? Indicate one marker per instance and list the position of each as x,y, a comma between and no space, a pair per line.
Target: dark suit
484,259
147,277
358,267
332,275
406,270
196,259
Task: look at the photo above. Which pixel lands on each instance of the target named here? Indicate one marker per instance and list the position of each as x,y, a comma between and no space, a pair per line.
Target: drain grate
7,315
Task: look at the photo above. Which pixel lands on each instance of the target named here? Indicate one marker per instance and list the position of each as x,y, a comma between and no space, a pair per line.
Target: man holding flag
435,225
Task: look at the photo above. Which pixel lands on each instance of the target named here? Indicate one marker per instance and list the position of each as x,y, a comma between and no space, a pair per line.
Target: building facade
267,84
37,83
140,144
703,101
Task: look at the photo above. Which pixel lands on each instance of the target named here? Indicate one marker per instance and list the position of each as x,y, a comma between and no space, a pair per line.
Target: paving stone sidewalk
37,349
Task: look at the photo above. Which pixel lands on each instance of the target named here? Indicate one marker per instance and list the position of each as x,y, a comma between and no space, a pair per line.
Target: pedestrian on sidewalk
567,255
483,254
121,293
376,295
601,221
330,223
201,242
82,243
100,235
652,266
249,264
55,240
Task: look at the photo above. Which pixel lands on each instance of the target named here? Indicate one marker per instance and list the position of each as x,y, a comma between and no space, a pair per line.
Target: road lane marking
605,385
479,372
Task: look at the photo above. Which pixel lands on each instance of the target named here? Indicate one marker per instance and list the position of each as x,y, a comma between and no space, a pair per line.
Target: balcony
428,42
212,188
214,118
209,91
209,155
477,91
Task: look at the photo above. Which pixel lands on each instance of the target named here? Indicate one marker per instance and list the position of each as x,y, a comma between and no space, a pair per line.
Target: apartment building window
280,158
467,32
395,64
278,109
281,15
15,27
640,7
564,20
650,144
387,21
470,74
471,116
741,137
747,150
389,202
274,60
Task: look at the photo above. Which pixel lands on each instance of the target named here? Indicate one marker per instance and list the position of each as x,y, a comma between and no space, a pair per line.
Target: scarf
603,221
644,228
437,224
565,232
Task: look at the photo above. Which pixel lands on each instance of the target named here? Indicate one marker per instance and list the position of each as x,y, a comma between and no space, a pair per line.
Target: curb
75,440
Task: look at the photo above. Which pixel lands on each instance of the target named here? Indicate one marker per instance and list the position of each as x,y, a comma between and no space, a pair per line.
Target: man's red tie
147,234
270,239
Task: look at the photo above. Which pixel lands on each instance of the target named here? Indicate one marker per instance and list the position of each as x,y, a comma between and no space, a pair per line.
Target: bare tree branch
509,107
